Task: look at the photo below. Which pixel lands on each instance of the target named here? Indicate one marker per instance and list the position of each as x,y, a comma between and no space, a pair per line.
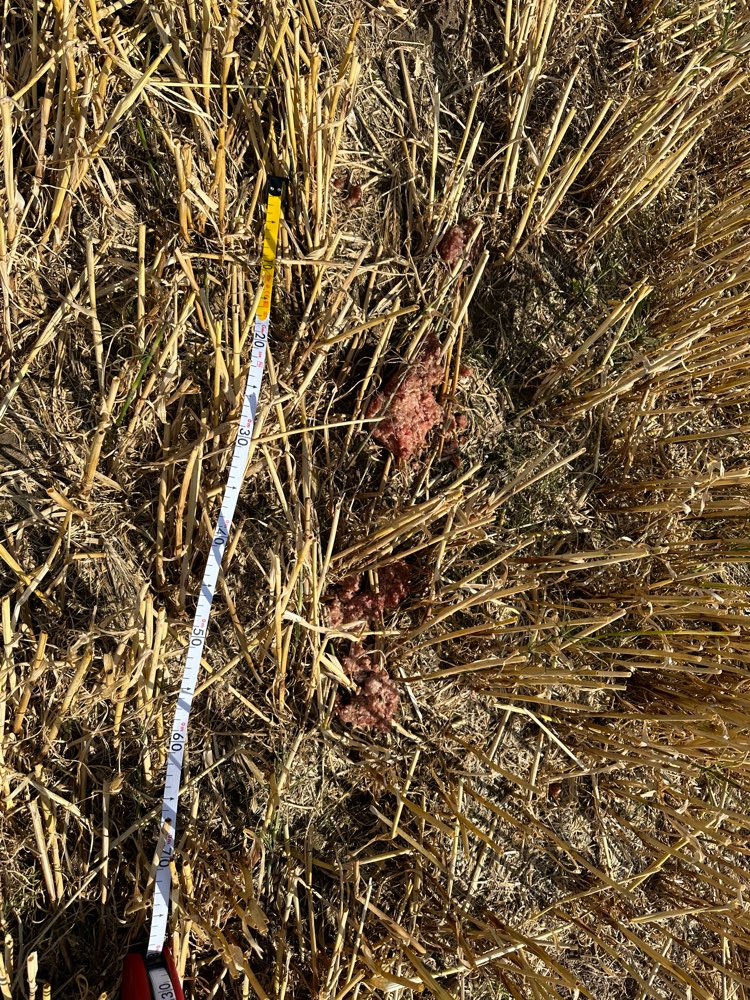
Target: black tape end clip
275,186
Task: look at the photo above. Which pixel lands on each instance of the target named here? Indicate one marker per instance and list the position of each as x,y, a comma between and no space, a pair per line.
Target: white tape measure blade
178,737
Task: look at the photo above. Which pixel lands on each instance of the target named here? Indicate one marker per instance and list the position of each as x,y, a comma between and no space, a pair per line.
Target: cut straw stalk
97,443
84,661
6,108
35,672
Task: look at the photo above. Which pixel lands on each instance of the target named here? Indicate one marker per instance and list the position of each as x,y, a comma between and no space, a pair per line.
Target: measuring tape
152,975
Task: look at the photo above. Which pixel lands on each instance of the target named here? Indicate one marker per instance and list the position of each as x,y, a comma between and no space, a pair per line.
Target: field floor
473,719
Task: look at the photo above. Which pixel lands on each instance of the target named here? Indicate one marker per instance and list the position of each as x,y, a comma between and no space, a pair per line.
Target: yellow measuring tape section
270,241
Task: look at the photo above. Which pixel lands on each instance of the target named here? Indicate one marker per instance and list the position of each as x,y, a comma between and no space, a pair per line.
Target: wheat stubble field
474,716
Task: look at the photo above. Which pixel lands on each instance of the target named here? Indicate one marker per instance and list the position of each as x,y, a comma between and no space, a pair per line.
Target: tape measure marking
176,750
161,984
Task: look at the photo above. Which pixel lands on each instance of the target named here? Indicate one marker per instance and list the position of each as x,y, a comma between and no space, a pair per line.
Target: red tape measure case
152,977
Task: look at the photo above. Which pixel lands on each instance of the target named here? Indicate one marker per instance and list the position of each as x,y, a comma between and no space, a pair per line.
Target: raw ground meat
352,604
377,700
452,246
413,410
354,197
352,192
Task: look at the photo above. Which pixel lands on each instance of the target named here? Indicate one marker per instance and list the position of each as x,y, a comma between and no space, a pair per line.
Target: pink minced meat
412,410
353,604
376,700
453,246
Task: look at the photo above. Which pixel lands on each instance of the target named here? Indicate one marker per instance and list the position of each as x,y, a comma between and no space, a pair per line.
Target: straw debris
518,769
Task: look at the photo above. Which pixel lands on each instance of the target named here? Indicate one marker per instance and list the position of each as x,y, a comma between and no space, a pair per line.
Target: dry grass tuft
560,808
